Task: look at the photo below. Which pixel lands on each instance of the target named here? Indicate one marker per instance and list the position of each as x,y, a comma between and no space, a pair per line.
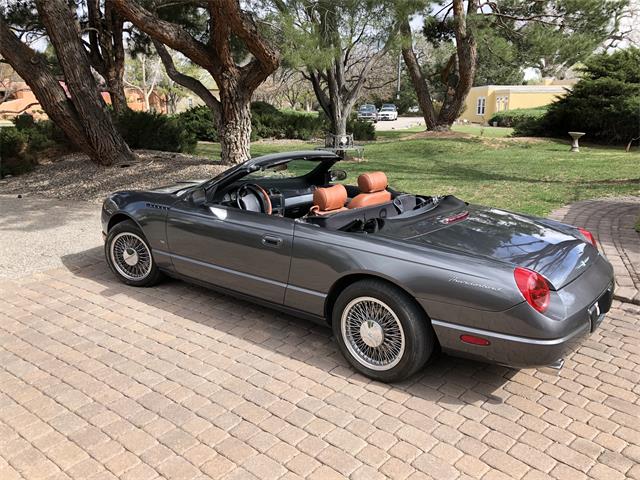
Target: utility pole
398,84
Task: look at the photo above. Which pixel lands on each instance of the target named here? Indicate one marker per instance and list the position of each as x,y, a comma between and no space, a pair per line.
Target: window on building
501,103
480,105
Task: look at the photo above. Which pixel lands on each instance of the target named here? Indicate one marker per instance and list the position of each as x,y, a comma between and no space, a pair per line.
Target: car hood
550,248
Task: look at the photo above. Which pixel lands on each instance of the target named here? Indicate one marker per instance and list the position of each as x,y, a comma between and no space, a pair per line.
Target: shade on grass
531,177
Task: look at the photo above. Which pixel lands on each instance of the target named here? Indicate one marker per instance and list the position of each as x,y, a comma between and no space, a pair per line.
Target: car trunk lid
547,247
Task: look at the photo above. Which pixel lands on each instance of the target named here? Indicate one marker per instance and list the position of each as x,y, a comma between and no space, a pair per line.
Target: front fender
148,211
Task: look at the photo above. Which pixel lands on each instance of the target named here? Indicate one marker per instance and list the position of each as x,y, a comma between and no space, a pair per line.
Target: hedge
154,131
266,122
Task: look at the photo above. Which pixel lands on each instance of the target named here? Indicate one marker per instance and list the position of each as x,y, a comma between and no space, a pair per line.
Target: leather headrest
372,182
330,198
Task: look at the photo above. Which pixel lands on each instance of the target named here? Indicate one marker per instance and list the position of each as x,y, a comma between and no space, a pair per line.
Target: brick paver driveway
100,380
612,220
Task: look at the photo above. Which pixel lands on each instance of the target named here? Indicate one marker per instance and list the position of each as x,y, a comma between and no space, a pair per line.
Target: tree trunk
106,50
115,83
234,129
116,60
97,124
417,78
47,89
172,103
237,83
465,67
340,125
458,75
336,87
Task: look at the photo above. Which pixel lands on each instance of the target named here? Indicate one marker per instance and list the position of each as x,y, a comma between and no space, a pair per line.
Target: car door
244,251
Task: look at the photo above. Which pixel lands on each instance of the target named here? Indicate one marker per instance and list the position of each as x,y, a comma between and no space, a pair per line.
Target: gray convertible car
397,276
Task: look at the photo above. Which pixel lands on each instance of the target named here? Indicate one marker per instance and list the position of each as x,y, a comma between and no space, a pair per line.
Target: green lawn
489,132
531,177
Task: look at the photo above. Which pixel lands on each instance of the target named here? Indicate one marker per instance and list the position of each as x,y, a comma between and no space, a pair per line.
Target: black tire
419,337
152,277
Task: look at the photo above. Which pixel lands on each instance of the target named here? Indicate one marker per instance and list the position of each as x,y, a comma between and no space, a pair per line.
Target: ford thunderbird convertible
397,276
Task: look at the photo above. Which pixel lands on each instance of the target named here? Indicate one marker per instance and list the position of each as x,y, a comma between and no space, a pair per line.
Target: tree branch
266,57
187,81
168,33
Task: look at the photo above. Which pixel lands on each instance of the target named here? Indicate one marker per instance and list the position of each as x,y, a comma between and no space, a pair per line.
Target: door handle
271,241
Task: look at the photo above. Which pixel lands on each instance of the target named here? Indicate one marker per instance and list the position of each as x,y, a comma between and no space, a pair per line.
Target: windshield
294,168
367,108
387,109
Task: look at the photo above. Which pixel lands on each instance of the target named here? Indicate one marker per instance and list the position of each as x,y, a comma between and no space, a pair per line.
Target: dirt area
437,134
76,177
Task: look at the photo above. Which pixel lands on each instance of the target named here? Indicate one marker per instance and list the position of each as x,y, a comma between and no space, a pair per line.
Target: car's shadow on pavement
445,380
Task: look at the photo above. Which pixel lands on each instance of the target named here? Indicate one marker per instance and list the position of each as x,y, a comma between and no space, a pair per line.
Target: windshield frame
326,160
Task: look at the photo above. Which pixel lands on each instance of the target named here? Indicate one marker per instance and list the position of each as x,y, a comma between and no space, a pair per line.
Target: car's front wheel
381,331
129,256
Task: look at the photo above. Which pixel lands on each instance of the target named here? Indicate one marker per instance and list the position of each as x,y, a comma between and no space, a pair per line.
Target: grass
531,177
489,132
637,227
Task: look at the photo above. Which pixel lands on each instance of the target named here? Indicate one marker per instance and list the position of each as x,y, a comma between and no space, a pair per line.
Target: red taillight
473,340
588,236
534,288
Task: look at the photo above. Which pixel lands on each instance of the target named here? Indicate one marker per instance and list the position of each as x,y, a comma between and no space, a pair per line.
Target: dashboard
294,203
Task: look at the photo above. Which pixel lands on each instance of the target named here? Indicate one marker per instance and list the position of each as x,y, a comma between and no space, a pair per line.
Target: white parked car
388,112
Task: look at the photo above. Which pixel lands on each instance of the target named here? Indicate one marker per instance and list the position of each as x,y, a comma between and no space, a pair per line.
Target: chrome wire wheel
372,333
131,256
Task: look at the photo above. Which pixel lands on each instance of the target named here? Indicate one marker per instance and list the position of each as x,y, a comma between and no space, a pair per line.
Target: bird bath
575,136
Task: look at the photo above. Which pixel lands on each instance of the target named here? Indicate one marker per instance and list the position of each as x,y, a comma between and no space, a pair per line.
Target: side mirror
337,175
198,196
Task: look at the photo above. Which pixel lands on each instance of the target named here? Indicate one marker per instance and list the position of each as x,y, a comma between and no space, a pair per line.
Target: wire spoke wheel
373,333
131,256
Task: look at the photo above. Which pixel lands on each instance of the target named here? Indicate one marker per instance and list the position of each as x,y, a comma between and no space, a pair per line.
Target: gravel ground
75,177
36,233
59,212
399,124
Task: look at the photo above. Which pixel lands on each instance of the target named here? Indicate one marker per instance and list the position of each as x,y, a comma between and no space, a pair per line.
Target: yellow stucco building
483,102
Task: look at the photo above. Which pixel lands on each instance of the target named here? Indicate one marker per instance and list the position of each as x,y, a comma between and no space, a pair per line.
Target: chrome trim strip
306,291
511,338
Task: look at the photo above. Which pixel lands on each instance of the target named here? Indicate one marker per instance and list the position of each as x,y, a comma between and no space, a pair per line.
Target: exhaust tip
554,367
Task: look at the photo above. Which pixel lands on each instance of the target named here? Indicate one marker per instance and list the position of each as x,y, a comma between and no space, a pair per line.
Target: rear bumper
508,350
522,337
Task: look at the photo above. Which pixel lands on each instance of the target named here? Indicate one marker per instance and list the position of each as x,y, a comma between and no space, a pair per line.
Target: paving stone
187,384
612,223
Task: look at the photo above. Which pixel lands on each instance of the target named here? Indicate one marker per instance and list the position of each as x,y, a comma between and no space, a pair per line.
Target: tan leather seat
373,191
327,200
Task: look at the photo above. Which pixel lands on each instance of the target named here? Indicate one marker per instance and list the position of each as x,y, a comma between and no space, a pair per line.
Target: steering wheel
253,198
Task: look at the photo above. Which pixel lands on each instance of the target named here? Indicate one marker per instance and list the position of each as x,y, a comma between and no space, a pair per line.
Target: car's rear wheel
129,256
381,331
